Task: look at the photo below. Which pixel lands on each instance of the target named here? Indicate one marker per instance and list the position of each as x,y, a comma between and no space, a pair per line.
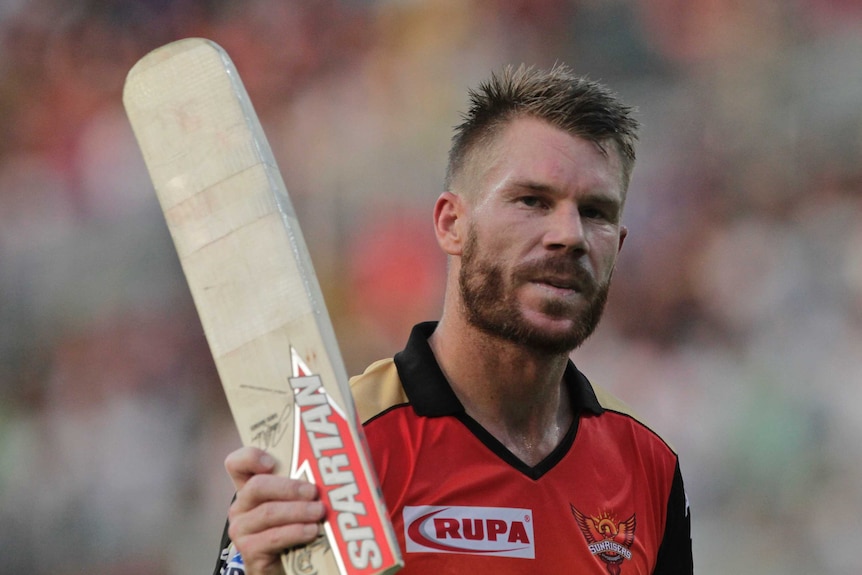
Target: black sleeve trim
675,554
224,549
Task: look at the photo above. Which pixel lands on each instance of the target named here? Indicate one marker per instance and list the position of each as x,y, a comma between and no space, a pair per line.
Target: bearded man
494,453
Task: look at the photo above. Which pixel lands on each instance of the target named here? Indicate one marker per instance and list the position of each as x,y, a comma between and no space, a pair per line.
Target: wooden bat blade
255,290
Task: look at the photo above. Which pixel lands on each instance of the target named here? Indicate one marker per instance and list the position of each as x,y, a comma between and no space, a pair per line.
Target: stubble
489,300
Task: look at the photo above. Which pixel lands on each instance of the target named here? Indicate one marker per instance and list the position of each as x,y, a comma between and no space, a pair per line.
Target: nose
565,230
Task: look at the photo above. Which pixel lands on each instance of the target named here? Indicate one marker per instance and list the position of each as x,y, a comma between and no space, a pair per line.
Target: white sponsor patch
497,531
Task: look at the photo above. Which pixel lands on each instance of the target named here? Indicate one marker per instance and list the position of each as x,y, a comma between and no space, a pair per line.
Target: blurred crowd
735,320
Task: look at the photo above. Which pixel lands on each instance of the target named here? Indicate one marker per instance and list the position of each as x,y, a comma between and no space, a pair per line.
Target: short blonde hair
572,103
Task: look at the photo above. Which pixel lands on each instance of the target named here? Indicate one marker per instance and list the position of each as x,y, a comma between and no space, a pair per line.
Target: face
542,236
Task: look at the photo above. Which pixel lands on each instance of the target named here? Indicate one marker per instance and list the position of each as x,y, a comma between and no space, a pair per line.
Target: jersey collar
431,395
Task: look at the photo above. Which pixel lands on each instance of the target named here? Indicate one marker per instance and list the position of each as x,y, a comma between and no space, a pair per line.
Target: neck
516,394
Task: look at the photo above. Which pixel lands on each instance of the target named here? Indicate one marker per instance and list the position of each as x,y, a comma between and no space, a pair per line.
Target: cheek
493,243
507,244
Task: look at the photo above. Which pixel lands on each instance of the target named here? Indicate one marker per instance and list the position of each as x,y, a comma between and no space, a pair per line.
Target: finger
246,462
275,514
265,487
261,552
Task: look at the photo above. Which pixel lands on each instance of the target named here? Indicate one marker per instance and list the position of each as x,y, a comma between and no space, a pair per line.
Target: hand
270,513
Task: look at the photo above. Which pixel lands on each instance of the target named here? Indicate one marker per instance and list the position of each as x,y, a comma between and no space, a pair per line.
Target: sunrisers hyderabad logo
608,539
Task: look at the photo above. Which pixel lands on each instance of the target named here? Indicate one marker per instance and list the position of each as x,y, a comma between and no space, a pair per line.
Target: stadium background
735,324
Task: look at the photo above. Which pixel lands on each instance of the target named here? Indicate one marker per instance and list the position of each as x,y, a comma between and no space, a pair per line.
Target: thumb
246,462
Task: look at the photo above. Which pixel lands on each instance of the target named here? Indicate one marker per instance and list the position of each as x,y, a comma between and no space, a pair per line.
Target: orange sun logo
607,538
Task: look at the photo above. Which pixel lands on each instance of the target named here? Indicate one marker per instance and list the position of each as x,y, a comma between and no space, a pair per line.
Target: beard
490,302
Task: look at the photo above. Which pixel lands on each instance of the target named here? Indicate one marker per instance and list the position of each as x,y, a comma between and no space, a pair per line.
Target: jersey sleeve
675,551
224,550
229,560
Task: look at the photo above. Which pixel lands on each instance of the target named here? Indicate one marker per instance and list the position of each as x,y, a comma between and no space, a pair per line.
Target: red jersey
608,500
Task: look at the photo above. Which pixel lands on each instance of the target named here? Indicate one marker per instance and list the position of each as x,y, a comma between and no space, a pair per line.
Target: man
495,454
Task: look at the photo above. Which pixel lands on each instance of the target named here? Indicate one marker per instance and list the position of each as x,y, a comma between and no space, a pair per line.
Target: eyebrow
600,198
534,186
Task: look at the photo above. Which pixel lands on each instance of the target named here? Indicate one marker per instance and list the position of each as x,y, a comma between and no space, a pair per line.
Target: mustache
559,269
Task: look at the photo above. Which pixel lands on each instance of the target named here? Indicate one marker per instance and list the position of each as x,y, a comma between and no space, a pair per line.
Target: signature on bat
268,432
310,559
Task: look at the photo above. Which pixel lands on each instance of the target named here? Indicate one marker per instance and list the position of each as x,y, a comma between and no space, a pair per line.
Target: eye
532,201
592,213
599,212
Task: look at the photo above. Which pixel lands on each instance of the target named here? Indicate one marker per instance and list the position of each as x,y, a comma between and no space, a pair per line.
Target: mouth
558,276
564,286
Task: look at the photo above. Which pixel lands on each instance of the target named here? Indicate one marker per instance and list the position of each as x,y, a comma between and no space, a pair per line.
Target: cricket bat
255,290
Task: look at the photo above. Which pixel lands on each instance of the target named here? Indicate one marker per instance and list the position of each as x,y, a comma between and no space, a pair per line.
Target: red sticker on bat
326,454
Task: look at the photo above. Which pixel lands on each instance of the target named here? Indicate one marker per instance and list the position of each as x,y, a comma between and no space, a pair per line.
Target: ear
449,223
624,231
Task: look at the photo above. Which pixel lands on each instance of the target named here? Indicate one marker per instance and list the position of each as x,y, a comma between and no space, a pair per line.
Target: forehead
533,150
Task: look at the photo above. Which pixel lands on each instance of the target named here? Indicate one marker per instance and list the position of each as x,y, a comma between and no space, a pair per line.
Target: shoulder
377,389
